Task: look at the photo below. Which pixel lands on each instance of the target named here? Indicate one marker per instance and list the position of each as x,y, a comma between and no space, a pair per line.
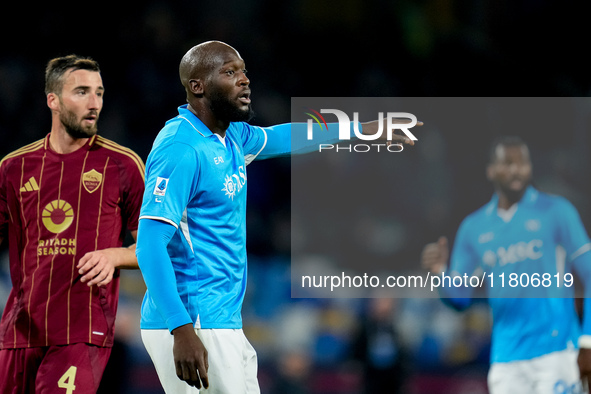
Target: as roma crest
92,180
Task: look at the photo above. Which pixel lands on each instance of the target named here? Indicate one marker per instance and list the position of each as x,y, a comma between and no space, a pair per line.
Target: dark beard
226,110
513,196
74,128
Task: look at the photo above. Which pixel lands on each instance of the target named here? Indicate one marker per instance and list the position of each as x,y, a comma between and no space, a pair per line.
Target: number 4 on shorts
67,380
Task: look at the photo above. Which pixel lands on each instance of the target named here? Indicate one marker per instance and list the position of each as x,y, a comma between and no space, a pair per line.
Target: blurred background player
522,230
66,202
192,238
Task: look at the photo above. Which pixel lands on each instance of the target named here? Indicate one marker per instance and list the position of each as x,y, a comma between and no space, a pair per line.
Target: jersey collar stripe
25,149
197,130
125,151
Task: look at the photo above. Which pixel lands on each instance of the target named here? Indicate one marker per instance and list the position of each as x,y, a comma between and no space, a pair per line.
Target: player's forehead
512,153
229,58
75,78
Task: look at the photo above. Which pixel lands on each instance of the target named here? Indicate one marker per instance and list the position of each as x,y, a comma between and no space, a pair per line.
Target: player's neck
215,125
506,202
63,143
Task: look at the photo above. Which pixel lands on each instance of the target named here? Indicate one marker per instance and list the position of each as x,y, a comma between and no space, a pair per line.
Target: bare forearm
98,267
125,258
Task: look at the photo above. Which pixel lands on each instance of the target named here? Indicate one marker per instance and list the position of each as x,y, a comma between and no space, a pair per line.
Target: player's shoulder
242,128
473,223
27,150
548,201
119,152
116,149
181,132
479,215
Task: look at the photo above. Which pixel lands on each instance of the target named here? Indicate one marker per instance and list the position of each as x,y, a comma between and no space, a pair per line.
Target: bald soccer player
192,236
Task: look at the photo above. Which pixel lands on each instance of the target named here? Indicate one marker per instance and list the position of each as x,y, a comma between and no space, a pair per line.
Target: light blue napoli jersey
544,235
197,182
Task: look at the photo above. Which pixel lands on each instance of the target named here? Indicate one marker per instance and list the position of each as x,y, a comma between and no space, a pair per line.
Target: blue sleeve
464,260
571,232
573,237
286,139
156,267
582,266
171,175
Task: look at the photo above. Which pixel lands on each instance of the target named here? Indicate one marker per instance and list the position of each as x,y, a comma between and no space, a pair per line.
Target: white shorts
553,373
232,361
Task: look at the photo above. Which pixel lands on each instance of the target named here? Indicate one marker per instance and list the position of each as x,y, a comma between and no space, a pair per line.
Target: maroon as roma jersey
53,209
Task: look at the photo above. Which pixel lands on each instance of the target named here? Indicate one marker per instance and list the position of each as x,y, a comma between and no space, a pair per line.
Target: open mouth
245,97
516,184
91,118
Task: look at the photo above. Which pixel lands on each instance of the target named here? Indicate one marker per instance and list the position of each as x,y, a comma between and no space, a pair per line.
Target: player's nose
243,80
514,168
94,102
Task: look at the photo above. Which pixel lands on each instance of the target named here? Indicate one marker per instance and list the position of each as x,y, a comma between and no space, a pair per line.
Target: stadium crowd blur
299,48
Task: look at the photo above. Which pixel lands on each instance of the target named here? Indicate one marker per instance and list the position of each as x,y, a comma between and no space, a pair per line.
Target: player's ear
196,86
490,172
53,101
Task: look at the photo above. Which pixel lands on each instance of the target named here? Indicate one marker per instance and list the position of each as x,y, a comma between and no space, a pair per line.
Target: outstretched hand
398,137
435,256
190,357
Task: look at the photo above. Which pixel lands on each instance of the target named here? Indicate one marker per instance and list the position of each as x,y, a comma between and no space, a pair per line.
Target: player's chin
514,192
517,186
82,131
246,113
89,132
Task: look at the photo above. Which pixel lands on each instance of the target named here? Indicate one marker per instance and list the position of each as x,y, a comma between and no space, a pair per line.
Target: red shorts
68,369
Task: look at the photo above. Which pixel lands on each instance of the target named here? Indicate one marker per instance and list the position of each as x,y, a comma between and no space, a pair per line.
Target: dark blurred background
350,48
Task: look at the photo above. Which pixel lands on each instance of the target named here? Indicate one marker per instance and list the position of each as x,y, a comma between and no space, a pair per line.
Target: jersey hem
162,326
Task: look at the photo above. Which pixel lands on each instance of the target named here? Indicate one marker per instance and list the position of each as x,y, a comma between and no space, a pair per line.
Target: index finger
202,369
194,377
83,260
406,121
86,263
397,138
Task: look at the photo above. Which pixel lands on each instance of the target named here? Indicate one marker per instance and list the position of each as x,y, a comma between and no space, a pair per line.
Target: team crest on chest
91,180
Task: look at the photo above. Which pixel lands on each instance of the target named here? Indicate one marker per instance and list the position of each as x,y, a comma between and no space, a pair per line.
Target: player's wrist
585,342
181,330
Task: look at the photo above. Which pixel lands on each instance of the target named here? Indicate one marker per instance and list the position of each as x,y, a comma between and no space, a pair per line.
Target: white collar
507,214
222,139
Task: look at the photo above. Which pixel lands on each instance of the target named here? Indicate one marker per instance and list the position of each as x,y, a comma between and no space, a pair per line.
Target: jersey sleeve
571,232
133,191
573,237
171,177
158,271
286,139
464,260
